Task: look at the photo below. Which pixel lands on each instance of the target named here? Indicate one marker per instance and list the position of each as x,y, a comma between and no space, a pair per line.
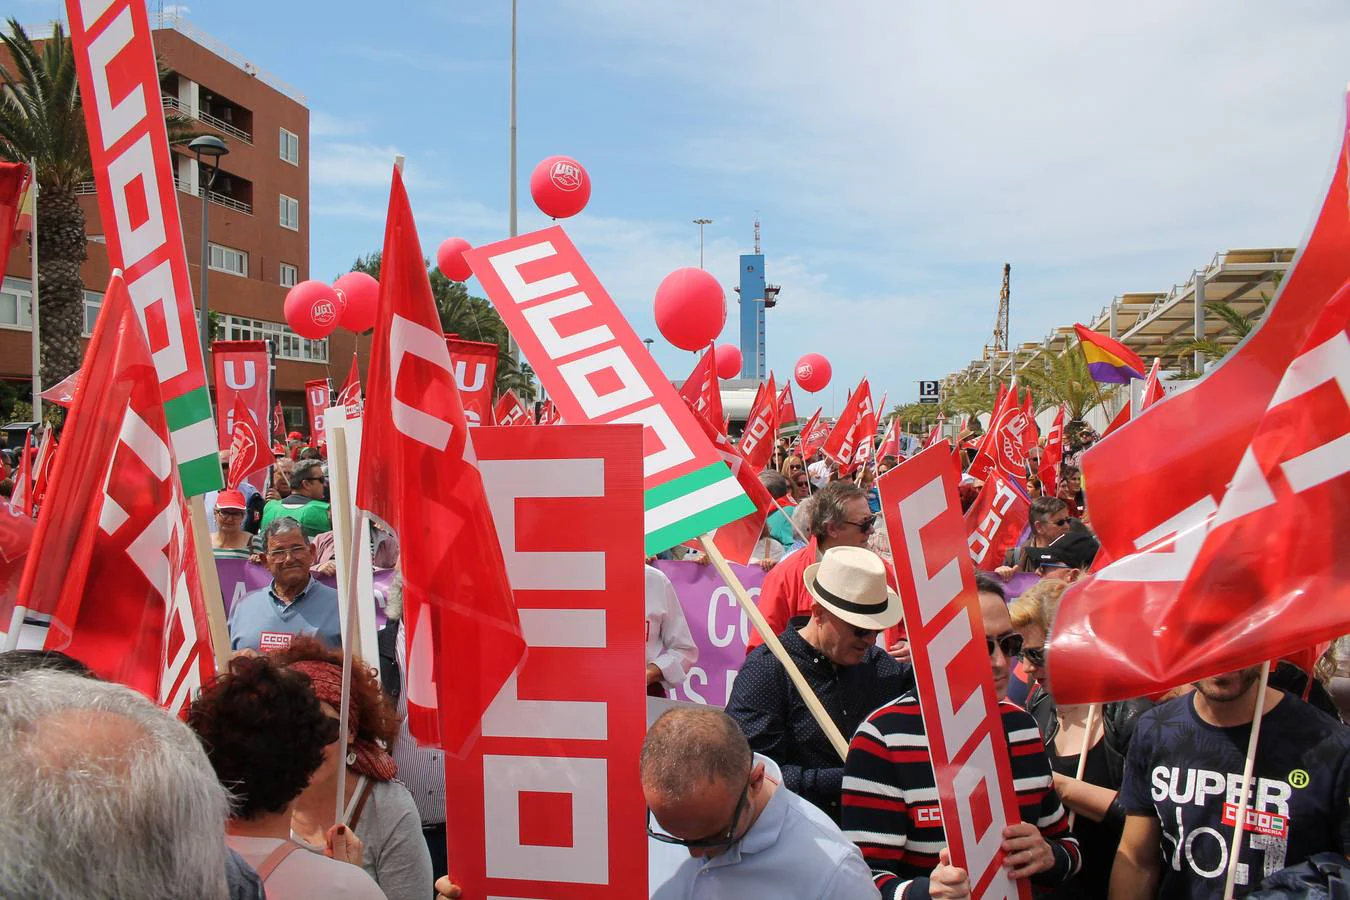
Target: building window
290,147
228,259
290,275
290,213
16,303
289,345
93,302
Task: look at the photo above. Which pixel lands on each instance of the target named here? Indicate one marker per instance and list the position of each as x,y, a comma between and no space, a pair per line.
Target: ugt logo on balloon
324,313
805,372
566,175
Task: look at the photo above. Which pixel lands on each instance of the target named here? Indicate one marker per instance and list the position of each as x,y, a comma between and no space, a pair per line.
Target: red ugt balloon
728,359
560,187
813,372
312,309
361,294
450,259
690,308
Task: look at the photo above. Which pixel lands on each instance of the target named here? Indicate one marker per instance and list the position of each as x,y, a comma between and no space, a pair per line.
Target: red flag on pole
279,424
548,414
64,391
1052,456
14,178
702,392
995,520
737,539
760,426
1153,389
787,408
21,499
131,556
248,446
42,470
813,435
890,443
1120,421
1011,435
350,395
843,439
422,480
510,411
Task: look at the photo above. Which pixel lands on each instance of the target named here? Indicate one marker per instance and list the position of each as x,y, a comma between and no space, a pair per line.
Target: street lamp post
208,149
700,223
649,342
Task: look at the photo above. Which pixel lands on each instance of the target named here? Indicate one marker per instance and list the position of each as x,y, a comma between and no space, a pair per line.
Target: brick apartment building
258,207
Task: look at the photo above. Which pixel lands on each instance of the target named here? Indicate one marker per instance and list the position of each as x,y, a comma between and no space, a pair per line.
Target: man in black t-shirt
1183,781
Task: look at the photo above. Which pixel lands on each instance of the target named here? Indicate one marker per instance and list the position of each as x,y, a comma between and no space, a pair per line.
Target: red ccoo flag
701,390
1052,456
760,427
510,411
131,555
890,442
842,444
248,446
464,637
787,408
813,435
350,395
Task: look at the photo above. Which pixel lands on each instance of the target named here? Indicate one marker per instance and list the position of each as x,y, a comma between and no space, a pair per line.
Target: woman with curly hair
378,809
264,733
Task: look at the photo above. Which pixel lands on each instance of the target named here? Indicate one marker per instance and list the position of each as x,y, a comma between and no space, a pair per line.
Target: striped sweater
890,800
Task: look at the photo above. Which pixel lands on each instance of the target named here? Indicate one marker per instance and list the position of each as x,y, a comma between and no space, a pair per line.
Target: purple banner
719,627
239,576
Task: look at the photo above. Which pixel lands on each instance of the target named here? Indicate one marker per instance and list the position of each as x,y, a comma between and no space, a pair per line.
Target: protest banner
597,371
243,373
995,520
133,173
475,365
951,668
719,626
546,800
317,395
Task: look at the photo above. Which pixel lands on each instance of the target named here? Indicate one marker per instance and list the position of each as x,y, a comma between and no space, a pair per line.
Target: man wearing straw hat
837,653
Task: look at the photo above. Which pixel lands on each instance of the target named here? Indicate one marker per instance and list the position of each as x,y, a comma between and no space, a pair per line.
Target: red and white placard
475,367
243,372
546,803
317,395
951,667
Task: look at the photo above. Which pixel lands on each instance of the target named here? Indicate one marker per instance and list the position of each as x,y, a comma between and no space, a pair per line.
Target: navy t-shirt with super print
1188,774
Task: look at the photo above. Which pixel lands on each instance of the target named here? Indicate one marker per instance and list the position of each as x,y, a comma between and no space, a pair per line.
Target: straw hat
851,583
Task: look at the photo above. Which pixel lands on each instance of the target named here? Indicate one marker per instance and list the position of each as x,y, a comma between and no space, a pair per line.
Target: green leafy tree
474,319
1061,380
1235,325
970,398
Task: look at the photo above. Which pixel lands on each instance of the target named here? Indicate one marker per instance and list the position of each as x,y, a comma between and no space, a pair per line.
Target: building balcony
88,187
177,107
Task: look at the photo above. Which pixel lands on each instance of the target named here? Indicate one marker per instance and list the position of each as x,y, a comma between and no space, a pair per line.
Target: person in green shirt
780,525
306,503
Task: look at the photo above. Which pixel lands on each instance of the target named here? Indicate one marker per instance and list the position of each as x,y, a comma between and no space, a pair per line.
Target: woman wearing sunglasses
1100,818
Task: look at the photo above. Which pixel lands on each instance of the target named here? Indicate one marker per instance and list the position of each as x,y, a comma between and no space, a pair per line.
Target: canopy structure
1151,323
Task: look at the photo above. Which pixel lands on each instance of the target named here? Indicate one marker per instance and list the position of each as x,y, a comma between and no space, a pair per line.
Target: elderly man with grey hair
294,603
747,835
106,796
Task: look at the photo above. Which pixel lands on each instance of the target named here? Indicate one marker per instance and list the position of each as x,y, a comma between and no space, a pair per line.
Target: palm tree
472,318
971,398
1235,325
41,119
1062,379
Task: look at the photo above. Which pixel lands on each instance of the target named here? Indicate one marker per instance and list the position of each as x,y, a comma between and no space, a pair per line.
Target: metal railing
176,23
173,103
218,199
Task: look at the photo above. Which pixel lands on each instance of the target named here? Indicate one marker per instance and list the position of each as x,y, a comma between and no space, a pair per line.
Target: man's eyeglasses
1010,644
282,552
317,478
866,524
1034,655
724,837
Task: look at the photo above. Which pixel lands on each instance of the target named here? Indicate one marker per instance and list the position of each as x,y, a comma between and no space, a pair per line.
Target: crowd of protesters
109,796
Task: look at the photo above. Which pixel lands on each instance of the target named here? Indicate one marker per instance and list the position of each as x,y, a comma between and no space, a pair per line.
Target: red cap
231,500
295,436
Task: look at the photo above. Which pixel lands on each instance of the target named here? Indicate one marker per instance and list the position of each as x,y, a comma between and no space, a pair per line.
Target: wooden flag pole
345,526
776,647
1240,820
1094,713
210,581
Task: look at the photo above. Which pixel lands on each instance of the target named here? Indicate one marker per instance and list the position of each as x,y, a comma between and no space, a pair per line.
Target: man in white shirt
820,472
747,835
671,652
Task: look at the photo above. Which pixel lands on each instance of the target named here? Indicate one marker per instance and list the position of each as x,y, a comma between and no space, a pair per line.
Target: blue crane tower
756,295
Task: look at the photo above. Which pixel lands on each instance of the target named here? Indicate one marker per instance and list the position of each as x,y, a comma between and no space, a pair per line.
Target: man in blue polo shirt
294,603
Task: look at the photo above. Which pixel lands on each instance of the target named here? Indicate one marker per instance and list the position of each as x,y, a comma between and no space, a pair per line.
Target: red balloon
728,359
360,295
560,187
312,309
690,308
813,372
450,259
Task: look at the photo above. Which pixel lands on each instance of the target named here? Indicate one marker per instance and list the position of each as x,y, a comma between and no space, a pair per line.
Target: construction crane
1000,342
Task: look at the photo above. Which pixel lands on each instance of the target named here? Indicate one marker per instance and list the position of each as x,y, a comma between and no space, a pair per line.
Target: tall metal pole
511,344
37,330
206,259
700,223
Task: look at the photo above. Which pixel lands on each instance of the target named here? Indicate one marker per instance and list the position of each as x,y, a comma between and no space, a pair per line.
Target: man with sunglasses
890,801
307,502
294,603
1049,518
746,834
1067,557
836,651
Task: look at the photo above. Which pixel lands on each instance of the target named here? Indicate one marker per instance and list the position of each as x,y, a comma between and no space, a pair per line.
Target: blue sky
898,153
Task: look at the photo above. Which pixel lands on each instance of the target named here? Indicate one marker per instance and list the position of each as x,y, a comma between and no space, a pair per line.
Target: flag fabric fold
350,395
1108,360
1052,456
510,411
422,480
248,446
761,425
787,407
1153,389
702,392
812,436
847,434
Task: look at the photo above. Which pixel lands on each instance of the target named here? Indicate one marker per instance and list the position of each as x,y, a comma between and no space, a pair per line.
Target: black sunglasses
1010,644
724,838
1061,522
866,524
1034,655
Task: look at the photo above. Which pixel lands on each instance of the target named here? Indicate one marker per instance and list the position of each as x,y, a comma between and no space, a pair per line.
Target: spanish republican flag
1109,361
